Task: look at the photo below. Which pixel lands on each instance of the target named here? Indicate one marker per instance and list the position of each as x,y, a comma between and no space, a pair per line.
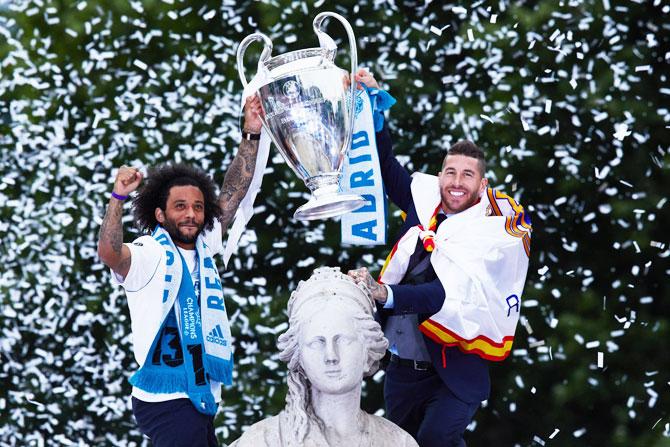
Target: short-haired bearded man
181,334
450,290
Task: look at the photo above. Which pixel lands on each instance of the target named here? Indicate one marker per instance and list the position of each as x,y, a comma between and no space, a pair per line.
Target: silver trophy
308,105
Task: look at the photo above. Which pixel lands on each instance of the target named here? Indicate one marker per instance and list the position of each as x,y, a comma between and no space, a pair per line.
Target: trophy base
328,205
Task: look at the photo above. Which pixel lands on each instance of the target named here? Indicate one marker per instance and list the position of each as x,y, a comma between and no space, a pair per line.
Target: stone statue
332,342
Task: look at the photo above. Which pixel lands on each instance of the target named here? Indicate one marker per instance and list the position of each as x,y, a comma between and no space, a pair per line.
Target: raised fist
127,180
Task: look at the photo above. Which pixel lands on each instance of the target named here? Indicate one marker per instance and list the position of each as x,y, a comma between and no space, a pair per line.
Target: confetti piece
621,131
519,381
553,435
209,15
139,64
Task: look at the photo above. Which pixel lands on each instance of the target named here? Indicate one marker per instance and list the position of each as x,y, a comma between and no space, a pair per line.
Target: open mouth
457,193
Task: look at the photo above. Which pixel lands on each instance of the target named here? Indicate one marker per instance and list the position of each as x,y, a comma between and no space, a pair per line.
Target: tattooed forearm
110,239
111,230
237,181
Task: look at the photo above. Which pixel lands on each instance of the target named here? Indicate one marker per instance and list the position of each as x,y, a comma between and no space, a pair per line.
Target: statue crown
329,282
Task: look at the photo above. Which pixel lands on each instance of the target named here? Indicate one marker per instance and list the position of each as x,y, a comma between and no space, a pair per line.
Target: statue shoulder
382,429
262,433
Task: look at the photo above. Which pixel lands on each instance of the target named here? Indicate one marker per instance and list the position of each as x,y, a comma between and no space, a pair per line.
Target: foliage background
569,99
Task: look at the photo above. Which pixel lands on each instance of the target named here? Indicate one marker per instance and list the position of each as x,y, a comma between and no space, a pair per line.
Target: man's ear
160,215
484,184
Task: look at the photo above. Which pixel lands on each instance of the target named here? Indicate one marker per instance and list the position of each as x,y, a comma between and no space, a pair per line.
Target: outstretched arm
396,178
426,298
111,250
241,170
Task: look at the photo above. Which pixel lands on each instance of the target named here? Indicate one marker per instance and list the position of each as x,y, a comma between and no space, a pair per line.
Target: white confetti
621,131
139,64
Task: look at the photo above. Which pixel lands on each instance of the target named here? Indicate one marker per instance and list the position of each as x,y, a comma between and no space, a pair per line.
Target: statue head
332,342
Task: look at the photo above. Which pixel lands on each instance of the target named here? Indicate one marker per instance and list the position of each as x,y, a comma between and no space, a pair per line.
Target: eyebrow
184,200
450,168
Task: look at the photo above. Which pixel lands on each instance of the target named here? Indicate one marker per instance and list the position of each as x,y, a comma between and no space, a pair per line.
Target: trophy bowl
307,103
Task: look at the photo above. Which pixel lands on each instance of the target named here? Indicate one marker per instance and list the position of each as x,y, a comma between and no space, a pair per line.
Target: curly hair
156,187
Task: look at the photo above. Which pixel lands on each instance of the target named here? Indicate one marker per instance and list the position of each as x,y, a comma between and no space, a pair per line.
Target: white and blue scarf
361,173
190,351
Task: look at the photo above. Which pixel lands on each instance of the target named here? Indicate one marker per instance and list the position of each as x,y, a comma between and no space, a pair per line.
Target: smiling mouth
457,193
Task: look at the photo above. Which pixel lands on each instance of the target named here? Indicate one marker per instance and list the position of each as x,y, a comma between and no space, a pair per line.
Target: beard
177,235
472,198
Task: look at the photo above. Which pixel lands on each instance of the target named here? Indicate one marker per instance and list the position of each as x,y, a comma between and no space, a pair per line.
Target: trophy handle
242,48
326,41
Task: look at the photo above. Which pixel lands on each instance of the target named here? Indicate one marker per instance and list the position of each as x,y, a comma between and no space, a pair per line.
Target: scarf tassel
165,381
220,370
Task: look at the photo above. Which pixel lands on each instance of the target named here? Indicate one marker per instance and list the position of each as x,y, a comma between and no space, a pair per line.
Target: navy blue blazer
466,375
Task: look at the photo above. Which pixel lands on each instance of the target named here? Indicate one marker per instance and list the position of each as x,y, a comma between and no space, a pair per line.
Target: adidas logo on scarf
216,336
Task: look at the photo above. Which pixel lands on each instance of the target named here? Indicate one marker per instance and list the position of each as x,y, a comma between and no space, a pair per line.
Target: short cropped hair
156,187
469,149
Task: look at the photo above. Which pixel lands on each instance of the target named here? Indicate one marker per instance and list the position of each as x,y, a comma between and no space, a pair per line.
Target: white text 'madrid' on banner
361,175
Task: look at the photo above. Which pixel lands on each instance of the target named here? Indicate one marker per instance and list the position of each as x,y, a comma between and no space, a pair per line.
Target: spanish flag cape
480,256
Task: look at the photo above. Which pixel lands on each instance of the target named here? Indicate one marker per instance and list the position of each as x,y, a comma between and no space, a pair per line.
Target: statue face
333,354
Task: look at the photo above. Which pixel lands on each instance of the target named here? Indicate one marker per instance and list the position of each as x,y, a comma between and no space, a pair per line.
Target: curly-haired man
181,334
